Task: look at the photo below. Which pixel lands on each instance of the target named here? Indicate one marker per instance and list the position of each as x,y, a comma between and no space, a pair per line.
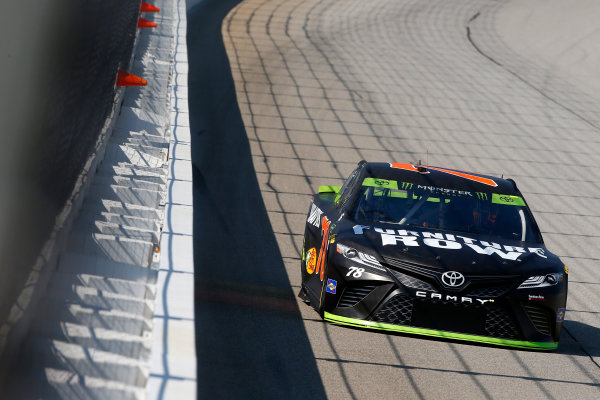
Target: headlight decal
539,281
359,257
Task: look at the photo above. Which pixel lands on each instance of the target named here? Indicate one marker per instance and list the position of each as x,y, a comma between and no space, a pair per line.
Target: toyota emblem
453,279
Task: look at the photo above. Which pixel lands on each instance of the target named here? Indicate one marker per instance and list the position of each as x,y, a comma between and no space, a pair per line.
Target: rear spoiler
329,189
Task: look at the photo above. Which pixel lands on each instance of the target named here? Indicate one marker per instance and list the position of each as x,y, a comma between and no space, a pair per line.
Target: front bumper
496,314
437,333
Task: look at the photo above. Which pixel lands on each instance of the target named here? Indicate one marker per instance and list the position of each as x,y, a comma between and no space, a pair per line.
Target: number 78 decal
356,272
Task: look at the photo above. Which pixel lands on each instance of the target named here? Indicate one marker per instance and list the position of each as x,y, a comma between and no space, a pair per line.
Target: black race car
432,251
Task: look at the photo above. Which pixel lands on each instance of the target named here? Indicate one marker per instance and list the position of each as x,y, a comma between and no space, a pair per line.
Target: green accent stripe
442,334
398,193
329,189
390,193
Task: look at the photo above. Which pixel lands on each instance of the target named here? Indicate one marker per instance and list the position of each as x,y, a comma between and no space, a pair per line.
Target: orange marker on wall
144,23
127,79
148,7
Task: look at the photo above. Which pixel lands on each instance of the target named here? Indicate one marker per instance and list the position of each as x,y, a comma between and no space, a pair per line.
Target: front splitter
359,323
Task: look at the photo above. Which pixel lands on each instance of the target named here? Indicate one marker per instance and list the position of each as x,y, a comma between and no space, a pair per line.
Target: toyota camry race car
432,251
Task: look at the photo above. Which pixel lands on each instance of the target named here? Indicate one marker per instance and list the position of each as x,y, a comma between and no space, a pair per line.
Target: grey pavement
323,84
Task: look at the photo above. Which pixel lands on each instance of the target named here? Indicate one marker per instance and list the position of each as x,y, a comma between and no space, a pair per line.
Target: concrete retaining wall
58,66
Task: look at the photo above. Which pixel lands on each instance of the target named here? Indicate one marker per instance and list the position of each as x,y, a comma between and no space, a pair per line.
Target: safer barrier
58,80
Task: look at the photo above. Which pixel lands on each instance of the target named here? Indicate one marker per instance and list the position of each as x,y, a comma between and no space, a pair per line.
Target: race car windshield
403,203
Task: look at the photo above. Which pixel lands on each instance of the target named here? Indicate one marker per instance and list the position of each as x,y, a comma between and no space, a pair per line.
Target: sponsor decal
447,297
325,222
560,315
408,238
311,260
450,192
537,297
314,217
508,200
331,285
453,279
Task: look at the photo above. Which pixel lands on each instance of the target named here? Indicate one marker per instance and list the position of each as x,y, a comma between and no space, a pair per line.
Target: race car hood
447,251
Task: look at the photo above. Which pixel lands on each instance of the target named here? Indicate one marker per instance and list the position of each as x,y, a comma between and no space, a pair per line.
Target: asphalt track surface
321,84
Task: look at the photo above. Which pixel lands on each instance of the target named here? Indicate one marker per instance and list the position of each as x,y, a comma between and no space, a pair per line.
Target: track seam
520,78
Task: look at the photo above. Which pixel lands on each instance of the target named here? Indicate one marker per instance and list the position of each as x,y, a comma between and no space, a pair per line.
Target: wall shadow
250,338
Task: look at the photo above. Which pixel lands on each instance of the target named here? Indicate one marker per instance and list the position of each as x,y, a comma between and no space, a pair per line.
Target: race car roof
440,177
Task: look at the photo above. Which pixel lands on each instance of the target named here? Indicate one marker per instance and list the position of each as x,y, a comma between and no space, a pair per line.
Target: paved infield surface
322,84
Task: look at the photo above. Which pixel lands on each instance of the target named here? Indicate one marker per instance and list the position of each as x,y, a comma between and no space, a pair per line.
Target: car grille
498,323
398,311
540,318
353,294
450,316
490,291
491,319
